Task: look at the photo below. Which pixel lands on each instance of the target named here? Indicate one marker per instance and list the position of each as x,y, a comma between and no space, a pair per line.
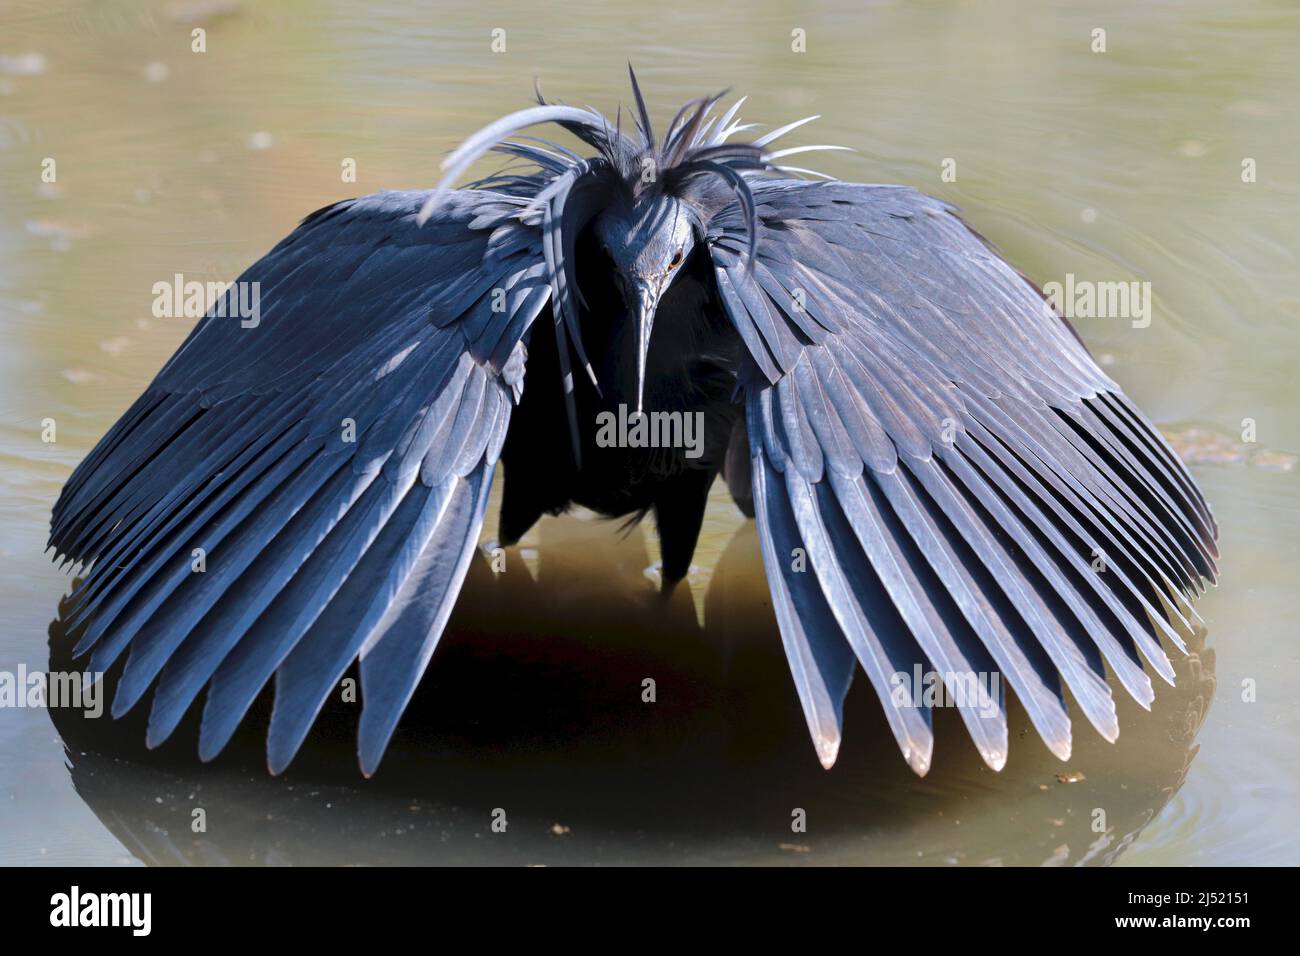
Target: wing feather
321,460
954,462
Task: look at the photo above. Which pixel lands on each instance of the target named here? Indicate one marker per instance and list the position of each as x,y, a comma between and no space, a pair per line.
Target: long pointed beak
643,301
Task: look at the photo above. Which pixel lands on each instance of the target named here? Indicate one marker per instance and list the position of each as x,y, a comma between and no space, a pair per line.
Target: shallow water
1116,166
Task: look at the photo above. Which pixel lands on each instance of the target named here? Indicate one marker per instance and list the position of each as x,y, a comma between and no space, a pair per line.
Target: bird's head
646,241
648,227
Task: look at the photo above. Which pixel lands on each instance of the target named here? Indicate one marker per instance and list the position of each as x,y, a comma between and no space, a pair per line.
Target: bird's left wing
945,482
304,481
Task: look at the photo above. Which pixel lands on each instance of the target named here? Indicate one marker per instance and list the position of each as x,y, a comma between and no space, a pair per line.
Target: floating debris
1273,461
60,234
191,12
260,140
1071,776
794,848
1060,856
53,229
559,829
13,133
1201,446
22,64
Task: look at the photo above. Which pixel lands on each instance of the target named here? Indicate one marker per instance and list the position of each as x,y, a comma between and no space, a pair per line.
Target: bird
942,478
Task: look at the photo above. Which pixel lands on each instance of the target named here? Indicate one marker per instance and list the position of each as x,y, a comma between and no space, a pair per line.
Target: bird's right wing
304,482
944,480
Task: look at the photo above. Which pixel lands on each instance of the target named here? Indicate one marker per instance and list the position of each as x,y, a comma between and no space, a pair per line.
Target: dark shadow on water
533,706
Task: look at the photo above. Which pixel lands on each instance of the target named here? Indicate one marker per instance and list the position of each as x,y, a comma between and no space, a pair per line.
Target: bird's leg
521,506
679,514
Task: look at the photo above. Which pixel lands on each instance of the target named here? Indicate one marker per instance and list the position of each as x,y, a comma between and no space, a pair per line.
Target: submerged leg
679,514
521,506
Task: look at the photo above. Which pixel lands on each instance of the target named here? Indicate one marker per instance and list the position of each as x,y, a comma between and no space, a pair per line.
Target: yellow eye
677,260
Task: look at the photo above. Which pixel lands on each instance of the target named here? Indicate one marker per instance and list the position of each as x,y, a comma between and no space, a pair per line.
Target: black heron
941,475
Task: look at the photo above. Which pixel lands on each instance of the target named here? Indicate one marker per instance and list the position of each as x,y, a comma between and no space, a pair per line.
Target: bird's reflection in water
533,713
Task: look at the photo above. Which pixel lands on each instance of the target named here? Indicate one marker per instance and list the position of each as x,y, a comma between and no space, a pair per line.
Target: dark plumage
933,459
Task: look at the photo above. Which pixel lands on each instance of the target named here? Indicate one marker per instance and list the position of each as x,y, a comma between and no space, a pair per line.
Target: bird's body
691,374
941,475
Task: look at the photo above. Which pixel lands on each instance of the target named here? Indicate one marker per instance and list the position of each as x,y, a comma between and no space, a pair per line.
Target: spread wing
304,487
942,475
